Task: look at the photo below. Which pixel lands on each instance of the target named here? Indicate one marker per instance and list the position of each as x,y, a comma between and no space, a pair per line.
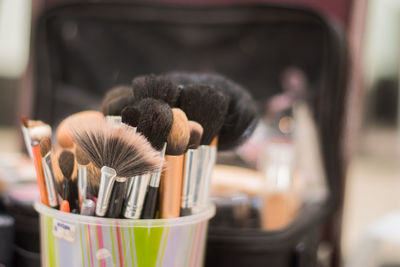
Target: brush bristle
63,133
39,132
179,135
196,133
157,87
130,116
120,148
207,106
241,117
155,121
24,121
66,162
81,157
114,99
45,146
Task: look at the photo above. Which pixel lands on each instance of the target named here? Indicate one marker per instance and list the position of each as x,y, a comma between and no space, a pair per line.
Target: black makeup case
83,48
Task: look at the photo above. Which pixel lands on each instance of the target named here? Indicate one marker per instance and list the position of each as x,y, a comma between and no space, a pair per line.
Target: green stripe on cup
147,244
50,241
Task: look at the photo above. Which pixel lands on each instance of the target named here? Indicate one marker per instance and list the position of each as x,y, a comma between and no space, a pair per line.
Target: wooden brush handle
171,187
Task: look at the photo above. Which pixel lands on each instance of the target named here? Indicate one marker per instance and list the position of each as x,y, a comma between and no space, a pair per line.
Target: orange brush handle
37,160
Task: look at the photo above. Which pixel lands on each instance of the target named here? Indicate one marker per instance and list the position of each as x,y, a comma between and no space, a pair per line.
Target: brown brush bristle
24,121
66,161
207,106
81,157
44,146
155,121
179,135
157,87
63,133
120,148
196,132
116,99
94,175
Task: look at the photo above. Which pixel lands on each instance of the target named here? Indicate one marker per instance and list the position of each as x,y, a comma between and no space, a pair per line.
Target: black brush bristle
116,99
207,106
155,121
241,117
157,87
66,161
120,148
130,115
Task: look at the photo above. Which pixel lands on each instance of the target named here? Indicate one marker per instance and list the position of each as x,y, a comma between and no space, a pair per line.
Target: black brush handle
185,212
116,200
150,203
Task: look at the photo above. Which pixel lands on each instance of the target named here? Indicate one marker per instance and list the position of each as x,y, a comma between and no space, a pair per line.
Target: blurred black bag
82,49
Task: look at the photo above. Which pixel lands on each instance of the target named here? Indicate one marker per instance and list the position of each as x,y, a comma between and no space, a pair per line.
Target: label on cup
64,230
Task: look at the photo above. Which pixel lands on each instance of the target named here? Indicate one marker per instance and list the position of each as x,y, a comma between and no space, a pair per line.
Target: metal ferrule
82,183
134,203
88,207
191,165
115,120
108,177
27,139
200,173
49,179
155,177
206,188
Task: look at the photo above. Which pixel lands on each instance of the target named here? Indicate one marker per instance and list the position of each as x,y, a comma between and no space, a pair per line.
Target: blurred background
372,201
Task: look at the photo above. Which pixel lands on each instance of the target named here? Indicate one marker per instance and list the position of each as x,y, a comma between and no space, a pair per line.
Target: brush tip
113,100
131,116
66,163
179,135
196,132
158,87
24,121
45,146
81,157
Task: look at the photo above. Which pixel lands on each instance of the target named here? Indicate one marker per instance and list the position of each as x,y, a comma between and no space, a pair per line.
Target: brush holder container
74,240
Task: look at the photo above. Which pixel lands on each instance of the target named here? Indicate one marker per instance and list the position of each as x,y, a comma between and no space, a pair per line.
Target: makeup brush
241,118
66,163
40,179
155,124
119,152
63,133
25,134
205,105
130,115
171,180
190,168
156,87
45,148
82,162
116,99
39,132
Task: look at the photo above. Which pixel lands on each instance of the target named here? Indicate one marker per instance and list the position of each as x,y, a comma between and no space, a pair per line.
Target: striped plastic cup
74,240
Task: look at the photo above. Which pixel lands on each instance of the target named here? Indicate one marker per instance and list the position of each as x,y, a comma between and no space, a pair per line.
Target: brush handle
37,160
108,177
150,203
116,200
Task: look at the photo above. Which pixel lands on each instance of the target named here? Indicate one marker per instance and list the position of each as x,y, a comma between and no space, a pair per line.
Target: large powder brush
116,99
241,118
157,87
205,105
